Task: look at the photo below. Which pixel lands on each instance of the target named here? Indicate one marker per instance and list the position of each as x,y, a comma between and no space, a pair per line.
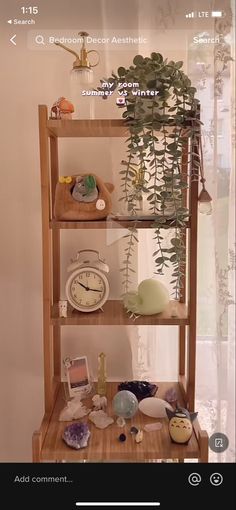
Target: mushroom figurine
62,109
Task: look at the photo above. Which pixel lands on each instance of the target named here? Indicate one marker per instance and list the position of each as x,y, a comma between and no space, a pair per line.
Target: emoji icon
216,479
120,101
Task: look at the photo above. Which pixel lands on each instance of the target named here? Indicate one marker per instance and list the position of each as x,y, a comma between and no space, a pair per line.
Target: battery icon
216,14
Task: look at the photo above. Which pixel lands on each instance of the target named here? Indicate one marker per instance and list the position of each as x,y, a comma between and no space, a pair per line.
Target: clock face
87,289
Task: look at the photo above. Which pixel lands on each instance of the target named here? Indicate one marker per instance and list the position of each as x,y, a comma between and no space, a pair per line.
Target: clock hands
84,286
87,288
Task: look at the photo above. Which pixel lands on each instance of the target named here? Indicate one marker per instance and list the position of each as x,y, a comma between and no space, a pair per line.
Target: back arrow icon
12,39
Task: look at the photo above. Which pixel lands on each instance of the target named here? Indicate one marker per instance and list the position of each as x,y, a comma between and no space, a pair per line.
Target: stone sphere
125,404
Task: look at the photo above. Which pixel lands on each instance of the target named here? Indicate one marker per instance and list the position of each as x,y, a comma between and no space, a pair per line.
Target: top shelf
102,128
87,128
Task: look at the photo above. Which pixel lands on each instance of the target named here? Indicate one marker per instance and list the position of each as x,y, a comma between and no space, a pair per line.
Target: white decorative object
63,308
139,436
99,402
120,421
100,419
100,204
154,407
73,410
150,427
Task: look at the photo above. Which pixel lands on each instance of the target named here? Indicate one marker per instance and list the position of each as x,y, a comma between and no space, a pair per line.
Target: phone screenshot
118,253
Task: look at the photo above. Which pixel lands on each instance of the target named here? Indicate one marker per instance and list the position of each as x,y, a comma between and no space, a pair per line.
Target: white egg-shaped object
154,407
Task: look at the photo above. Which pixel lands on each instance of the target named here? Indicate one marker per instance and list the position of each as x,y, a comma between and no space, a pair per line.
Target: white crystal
73,410
120,421
100,419
154,407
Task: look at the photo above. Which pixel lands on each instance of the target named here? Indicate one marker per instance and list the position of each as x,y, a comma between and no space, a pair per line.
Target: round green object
125,404
152,297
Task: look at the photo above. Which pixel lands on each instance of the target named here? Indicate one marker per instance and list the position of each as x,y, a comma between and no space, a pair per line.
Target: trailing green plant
159,103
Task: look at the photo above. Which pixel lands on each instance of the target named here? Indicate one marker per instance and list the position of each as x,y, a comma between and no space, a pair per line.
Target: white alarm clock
87,288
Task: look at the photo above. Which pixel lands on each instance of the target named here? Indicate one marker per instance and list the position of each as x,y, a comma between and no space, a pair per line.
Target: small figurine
62,109
101,387
99,403
63,308
180,425
85,189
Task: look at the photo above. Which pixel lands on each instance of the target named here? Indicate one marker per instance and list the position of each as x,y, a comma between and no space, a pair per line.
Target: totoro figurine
180,425
85,189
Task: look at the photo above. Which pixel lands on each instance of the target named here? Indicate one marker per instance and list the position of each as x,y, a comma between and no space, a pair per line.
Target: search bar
113,40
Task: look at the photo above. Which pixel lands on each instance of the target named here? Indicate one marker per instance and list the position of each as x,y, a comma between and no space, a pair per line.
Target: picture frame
78,377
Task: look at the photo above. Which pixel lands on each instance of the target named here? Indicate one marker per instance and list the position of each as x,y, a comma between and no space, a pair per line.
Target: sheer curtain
211,70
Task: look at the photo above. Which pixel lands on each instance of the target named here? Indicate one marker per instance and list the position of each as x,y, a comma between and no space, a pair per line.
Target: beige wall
30,78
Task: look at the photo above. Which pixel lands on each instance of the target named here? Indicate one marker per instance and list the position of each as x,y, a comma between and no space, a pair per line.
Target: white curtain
155,349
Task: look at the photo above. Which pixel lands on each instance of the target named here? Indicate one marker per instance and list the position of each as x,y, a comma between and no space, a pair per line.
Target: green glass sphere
125,404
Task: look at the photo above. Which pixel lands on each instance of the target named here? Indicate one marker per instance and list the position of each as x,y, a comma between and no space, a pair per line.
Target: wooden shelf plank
88,128
104,444
114,314
93,128
107,224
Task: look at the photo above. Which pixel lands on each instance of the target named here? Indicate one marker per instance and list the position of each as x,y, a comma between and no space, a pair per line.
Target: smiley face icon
216,479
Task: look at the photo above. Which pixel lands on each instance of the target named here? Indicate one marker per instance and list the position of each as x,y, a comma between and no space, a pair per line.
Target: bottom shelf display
106,445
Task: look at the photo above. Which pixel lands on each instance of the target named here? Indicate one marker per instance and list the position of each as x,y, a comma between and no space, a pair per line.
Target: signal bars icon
190,15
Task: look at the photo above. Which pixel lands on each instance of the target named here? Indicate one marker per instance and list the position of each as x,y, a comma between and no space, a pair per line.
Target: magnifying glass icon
39,39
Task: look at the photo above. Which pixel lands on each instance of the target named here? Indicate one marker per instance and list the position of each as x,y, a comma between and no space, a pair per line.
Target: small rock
133,430
150,427
120,422
139,436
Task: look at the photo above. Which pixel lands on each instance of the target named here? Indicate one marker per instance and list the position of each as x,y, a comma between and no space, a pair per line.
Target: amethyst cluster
76,435
141,389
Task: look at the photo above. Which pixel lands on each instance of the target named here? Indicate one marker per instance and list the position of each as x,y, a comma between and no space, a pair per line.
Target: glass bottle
101,385
81,81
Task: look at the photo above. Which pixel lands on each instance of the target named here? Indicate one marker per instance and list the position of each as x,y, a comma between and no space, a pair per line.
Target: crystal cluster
171,395
141,389
76,435
100,419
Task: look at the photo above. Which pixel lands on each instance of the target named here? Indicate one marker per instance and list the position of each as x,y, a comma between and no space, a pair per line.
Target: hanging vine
159,104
